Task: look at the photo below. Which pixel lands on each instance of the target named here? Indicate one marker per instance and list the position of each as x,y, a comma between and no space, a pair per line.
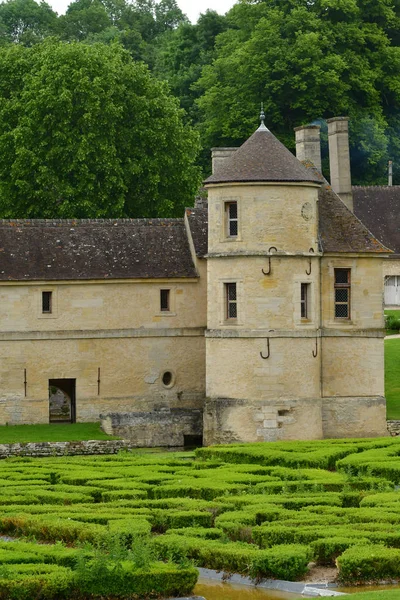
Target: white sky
191,8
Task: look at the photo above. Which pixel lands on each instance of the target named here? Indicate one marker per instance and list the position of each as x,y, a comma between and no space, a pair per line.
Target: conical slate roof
262,158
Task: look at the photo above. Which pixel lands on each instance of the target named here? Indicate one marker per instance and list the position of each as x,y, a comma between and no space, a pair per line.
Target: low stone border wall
302,589
393,427
40,449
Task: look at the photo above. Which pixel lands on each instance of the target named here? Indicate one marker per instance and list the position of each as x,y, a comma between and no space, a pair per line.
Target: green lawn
394,313
392,377
376,595
59,432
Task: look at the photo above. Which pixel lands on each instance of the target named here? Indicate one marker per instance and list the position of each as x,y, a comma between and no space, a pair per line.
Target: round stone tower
262,342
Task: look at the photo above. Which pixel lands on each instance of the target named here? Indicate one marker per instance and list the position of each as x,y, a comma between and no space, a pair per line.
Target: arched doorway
62,405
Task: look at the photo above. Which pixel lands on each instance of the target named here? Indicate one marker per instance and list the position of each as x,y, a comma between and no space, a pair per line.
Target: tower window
231,211
47,302
305,300
231,301
342,293
165,300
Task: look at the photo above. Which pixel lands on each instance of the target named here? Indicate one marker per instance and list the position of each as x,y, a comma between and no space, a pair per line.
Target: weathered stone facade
164,428
143,330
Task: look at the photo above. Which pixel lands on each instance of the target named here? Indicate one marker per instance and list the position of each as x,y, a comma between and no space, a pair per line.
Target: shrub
369,563
288,562
159,579
392,322
128,530
326,550
212,533
38,581
51,529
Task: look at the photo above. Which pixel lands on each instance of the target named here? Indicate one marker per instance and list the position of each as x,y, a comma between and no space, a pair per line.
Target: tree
306,60
86,132
182,55
27,22
84,18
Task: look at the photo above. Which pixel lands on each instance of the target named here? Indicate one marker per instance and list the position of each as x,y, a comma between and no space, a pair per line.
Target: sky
191,8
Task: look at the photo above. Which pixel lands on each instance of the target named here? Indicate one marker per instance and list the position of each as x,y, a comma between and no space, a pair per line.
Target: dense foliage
87,132
265,510
306,60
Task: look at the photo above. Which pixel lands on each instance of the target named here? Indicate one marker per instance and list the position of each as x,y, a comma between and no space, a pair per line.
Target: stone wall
111,338
131,371
393,427
228,420
43,449
163,428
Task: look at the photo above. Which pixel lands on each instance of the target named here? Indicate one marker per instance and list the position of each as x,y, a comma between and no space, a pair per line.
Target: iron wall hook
268,350
315,353
269,262
309,263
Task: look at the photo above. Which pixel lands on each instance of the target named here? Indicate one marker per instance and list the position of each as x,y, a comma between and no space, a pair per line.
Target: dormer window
231,212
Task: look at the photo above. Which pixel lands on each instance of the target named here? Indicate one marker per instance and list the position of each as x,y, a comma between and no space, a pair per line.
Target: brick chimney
218,155
308,144
339,158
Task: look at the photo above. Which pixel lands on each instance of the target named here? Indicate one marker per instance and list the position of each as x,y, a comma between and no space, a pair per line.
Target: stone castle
255,318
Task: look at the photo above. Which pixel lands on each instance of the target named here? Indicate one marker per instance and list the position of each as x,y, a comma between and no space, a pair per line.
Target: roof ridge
383,187
74,222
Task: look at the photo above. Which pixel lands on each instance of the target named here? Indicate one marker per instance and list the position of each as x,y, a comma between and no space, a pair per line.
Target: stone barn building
255,318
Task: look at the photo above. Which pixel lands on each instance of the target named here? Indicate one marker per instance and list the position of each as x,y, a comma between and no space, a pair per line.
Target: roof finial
262,114
262,118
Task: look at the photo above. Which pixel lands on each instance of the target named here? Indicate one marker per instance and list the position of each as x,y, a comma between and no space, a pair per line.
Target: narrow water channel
215,590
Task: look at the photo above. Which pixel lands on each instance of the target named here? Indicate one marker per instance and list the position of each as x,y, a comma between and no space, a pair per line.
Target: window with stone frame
342,293
165,300
47,302
231,311
231,217
305,300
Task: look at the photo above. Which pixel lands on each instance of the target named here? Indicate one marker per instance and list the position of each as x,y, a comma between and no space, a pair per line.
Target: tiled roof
262,158
379,208
340,230
198,223
94,249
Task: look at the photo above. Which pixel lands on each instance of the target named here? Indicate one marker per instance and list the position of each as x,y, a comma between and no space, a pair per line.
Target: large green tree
182,55
87,132
26,21
307,60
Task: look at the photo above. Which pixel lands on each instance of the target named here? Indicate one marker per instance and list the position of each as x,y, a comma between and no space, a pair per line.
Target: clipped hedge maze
133,525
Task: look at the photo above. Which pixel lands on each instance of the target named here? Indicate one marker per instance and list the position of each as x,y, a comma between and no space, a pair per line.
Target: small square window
47,302
231,212
165,300
305,300
342,293
231,301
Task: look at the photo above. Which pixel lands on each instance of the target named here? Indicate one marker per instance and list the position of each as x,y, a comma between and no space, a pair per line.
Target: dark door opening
62,401
193,441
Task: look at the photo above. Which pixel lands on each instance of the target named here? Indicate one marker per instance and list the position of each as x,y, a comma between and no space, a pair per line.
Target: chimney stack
308,144
339,159
218,155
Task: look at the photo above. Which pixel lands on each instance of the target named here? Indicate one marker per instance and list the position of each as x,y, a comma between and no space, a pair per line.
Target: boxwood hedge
265,510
